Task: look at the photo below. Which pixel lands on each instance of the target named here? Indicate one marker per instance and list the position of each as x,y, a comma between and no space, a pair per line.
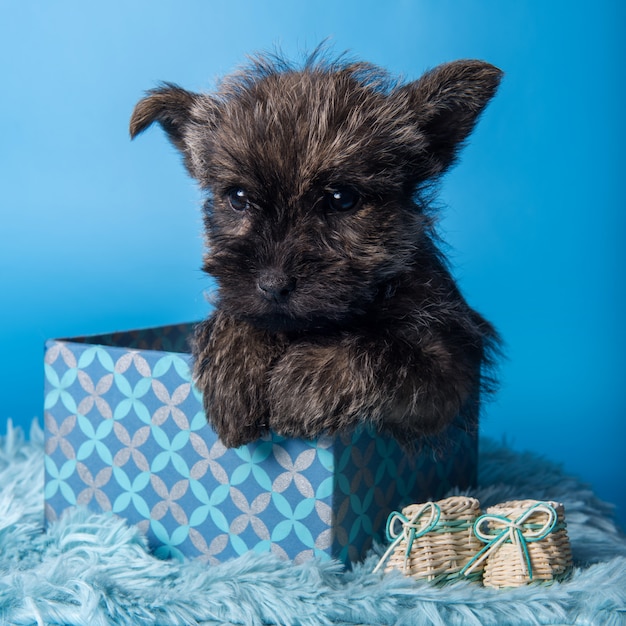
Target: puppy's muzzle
275,286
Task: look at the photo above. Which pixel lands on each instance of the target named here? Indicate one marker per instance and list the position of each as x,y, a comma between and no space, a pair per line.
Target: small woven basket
435,540
527,542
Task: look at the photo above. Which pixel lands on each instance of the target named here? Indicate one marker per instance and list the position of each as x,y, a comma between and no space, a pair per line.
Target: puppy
335,305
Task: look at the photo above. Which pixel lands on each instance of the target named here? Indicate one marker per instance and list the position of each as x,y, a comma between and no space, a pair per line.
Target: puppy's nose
275,285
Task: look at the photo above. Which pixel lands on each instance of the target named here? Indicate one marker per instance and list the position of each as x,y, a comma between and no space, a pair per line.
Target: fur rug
92,570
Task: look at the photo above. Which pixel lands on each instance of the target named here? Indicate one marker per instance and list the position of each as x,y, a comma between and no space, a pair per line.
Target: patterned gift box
126,434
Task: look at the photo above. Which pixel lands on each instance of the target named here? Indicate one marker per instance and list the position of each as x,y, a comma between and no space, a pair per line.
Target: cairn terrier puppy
335,305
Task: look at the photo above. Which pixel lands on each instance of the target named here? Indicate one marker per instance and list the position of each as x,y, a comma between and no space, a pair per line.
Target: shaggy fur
335,304
95,570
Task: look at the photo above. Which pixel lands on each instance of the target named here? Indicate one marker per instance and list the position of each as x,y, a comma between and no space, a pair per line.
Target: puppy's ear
446,103
180,113
170,106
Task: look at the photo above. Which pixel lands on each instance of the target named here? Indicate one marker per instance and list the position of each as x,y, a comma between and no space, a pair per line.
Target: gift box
126,434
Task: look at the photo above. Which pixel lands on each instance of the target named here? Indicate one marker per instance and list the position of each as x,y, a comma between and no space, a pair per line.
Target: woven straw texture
445,548
549,557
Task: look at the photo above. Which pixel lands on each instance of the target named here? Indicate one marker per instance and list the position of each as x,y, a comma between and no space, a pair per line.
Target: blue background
100,234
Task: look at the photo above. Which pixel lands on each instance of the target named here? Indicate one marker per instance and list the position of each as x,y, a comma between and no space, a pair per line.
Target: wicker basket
434,540
526,541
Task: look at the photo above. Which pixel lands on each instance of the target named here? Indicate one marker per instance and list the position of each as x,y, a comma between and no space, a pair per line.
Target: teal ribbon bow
512,531
410,530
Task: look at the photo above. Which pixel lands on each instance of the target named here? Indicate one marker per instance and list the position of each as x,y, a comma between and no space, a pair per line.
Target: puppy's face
310,209
311,178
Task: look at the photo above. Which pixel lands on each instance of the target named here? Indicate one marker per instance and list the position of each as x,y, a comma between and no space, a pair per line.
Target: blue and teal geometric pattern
126,434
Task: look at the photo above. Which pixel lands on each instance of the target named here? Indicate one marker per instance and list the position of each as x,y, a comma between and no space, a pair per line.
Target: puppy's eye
238,199
342,199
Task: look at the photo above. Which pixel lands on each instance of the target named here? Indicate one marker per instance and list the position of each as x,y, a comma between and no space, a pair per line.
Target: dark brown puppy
335,305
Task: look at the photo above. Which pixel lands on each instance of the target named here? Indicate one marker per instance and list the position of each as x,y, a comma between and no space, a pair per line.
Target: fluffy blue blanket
90,569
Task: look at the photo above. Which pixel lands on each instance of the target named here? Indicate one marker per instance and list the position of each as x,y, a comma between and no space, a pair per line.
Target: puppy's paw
231,363
325,387
317,389
234,434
